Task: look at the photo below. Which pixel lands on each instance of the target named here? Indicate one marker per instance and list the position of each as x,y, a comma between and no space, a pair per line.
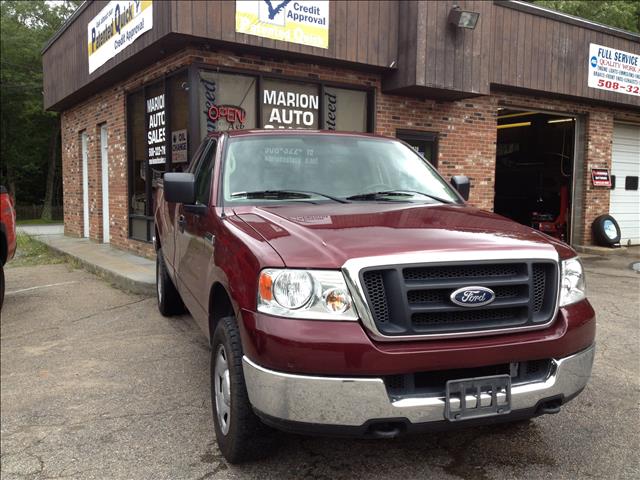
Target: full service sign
304,22
116,27
614,70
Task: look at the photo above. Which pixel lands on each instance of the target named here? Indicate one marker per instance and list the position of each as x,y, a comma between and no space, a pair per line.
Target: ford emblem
473,296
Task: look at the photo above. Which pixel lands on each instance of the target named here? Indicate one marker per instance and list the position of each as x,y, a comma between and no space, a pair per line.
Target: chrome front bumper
354,401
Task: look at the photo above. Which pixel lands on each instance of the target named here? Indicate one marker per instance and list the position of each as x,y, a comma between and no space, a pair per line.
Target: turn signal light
264,286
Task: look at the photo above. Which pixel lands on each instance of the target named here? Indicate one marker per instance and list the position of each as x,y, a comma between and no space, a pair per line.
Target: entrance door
104,159
625,197
422,142
85,184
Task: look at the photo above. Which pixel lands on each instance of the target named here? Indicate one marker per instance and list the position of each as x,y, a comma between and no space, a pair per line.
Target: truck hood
327,235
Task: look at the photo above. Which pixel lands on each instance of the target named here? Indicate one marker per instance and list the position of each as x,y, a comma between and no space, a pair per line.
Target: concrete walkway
31,230
124,270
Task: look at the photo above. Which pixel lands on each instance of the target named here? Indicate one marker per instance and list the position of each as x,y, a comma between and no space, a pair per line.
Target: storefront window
345,110
159,129
289,104
137,153
158,117
178,96
227,102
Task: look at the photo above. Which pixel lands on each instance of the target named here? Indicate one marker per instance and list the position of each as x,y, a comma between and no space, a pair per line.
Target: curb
114,278
592,250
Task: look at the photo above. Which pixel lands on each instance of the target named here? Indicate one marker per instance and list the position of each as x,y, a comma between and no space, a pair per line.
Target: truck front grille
415,299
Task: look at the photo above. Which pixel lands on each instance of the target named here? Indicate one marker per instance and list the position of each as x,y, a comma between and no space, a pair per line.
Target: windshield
328,168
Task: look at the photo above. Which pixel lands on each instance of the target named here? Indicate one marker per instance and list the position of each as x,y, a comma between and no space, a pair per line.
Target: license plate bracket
477,397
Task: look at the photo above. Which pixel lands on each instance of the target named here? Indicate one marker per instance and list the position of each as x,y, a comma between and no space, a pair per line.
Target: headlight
308,294
572,287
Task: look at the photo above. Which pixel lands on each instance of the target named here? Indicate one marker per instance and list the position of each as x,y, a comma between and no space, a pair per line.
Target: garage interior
534,169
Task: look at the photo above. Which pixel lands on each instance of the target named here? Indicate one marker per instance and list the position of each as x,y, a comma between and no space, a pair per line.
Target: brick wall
466,136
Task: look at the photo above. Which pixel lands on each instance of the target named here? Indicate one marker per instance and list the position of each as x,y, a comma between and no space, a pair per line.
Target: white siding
625,204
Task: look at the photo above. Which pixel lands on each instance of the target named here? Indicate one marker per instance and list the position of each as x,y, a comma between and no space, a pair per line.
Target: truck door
169,218
194,242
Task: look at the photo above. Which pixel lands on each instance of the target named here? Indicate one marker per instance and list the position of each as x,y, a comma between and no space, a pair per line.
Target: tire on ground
606,231
247,437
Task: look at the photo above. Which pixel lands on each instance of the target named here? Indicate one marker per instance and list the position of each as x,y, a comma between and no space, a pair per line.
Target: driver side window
204,174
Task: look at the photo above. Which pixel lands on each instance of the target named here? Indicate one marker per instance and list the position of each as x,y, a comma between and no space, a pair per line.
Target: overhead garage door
625,197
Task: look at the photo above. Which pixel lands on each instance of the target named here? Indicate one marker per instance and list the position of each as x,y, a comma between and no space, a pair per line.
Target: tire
240,434
606,231
1,286
169,301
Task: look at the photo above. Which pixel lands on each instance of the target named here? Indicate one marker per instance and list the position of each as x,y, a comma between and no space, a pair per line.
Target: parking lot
96,384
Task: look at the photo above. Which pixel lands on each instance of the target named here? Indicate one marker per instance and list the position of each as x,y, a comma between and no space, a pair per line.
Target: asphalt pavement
96,384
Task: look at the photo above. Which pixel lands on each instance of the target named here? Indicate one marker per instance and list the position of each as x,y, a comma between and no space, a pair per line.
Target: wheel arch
220,306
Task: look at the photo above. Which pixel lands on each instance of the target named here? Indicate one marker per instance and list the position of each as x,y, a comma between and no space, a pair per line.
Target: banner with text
116,27
304,22
614,70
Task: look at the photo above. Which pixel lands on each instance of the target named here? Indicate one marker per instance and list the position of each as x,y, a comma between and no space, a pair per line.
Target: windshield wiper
284,194
395,193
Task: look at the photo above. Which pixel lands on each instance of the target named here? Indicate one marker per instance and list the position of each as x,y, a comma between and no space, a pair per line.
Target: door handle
181,222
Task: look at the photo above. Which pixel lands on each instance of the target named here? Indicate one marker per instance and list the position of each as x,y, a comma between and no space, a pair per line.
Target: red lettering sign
229,113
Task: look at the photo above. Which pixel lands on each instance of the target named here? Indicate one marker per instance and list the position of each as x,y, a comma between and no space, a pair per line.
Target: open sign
230,113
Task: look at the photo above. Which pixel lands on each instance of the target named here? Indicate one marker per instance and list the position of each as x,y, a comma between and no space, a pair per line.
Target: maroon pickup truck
347,289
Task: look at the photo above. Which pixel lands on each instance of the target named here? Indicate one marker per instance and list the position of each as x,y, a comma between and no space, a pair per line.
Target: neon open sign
230,113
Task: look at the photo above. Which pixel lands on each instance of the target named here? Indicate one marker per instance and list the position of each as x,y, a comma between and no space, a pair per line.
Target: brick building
526,103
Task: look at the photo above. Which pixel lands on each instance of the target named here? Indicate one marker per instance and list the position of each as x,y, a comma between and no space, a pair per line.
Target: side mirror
179,188
462,184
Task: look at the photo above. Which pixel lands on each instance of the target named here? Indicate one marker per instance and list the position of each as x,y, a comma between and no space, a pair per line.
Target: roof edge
83,6
566,18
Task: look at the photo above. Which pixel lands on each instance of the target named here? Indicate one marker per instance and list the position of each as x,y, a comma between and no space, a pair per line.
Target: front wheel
240,433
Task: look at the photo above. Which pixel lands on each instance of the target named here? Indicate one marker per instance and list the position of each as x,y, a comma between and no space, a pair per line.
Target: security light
463,19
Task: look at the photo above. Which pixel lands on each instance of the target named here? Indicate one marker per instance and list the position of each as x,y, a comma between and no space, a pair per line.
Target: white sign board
304,22
116,27
156,130
614,70
179,146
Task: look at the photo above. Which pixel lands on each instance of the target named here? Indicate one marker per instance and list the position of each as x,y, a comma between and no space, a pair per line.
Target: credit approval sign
116,27
614,70
298,21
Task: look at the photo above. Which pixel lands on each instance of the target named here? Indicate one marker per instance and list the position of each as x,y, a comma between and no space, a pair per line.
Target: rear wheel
169,301
240,433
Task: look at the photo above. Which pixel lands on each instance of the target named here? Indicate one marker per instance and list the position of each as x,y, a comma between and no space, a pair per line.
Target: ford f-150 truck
346,288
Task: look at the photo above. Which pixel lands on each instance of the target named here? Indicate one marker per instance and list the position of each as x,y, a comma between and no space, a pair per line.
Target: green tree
29,146
624,14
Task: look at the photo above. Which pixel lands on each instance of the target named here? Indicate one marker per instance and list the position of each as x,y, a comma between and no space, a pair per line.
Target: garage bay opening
535,170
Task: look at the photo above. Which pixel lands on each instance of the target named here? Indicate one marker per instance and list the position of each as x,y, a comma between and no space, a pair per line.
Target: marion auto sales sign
614,70
116,27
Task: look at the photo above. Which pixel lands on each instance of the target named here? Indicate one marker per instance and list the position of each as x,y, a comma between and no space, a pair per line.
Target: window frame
149,214
370,90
